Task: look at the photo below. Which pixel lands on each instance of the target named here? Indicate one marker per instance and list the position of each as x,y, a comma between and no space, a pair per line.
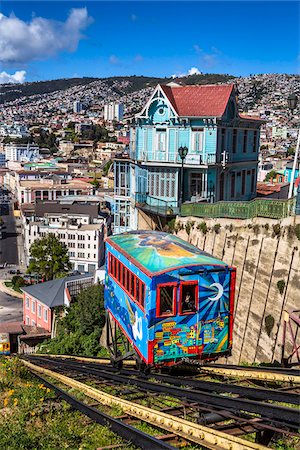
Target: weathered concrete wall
262,258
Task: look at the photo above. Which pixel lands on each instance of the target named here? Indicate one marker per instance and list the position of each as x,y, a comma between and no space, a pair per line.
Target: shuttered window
162,183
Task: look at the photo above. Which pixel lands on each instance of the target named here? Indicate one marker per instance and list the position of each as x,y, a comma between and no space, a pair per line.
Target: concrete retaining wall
265,252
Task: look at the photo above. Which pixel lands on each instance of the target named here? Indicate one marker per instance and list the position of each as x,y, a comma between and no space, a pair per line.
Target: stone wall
267,257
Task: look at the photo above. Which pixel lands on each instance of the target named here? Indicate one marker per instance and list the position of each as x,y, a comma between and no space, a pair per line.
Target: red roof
244,116
199,101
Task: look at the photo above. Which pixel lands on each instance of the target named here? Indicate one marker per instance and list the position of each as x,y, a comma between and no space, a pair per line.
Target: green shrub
202,227
281,286
276,229
189,227
297,231
80,330
17,281
171,225
256,229
269,324
217,228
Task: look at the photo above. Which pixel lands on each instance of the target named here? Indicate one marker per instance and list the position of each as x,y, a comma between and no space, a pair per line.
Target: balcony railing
163,156
273,209
156,205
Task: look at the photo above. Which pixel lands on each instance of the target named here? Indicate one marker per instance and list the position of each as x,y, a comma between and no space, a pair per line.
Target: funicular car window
166,300
188,298
127,280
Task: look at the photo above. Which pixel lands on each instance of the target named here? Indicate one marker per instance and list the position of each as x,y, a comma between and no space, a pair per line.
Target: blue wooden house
221,163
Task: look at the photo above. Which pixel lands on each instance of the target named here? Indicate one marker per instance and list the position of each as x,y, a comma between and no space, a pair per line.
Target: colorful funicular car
167,302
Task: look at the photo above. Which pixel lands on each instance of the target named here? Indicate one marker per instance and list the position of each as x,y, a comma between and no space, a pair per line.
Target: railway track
192,432
270,413
267,374
273,374
246,415
274,395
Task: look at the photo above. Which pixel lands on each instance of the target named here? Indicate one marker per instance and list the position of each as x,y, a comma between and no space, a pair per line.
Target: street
9,243
10,308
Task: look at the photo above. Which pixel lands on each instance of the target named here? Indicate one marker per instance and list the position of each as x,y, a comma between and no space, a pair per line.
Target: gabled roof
51,293
199,101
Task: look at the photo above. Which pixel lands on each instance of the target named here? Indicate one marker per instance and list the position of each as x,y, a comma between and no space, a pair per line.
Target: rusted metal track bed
286,417
192,432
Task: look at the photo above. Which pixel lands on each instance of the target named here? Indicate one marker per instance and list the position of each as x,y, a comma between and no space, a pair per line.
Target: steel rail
209,438
260,373
278,369
126,431
287,416
253,373
248,392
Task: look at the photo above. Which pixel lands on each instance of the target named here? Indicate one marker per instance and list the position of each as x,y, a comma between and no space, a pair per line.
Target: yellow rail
84,358
255,374
209,438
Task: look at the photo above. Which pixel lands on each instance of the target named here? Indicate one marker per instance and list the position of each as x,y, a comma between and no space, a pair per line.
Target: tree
271,175
80,329
290,151
49,258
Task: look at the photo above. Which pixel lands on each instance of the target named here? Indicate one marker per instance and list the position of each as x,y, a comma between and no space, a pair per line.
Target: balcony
165,157
156,205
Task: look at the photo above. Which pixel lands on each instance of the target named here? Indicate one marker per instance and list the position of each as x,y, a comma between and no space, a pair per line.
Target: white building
14,131
113,111
77,106
22,153
2,159
83,239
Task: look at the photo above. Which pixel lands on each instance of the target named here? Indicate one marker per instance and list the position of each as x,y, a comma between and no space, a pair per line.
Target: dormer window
231,110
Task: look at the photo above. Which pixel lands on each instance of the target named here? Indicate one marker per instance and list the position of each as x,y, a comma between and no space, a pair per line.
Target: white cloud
17,77
41,38
138,58
197,48
113,59
191,71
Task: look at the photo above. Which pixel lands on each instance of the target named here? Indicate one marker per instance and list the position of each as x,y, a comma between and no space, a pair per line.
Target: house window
27,302
232,190
27,320
161,139
196,140
253,180
162,182
223,134
243,182
234,140
33,323
33,306
39,311
166,298
196,186
245,141
188,300
46,315
254,141
80,255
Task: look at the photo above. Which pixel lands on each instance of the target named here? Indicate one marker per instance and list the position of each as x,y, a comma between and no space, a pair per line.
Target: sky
44,40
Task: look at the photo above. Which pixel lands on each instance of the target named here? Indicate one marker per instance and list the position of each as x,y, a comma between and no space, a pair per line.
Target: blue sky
148,38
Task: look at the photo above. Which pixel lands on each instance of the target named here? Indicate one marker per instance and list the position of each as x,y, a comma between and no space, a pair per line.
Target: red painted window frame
190,283
174,284
231,302
118,277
